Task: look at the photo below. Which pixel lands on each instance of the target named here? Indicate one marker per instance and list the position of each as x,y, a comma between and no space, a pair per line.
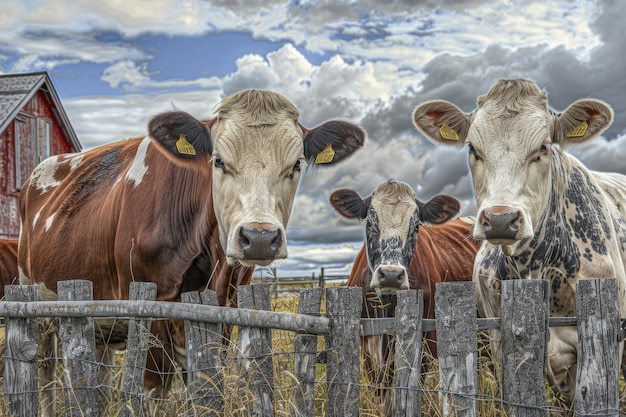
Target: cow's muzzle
260,241
501,222
390,278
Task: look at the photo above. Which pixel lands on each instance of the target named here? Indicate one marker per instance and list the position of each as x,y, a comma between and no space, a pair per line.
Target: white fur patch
49,222
76,161
395,204
42,177
139,168
35,219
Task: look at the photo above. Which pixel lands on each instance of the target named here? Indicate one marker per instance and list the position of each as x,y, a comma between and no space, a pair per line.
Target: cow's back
443,253
70,213
613,186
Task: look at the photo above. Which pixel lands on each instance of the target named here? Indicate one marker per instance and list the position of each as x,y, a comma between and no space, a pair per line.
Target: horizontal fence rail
387,325
314,324
166,310
523,372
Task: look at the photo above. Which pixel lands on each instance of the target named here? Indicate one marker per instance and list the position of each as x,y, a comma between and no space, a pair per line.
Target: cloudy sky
117,63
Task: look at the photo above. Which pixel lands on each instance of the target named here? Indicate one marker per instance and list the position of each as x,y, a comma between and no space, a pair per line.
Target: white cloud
99,120
336,88
126,72
405,33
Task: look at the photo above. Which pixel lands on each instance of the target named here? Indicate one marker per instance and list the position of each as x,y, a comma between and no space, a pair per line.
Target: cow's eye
542,151
219,163
472,151
297,167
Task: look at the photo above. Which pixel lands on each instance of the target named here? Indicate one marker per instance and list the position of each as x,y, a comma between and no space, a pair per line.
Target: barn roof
17,89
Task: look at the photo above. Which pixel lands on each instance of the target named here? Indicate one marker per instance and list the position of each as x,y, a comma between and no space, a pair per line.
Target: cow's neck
224,279
192,201
572,216
552,244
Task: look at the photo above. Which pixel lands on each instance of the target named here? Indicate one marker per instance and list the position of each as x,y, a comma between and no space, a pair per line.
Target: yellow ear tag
184,147
448,133
326,155
578,131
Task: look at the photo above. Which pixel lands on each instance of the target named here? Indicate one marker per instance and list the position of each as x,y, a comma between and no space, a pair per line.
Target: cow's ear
583,120
439,209
349,204
331,142
442,122
181,134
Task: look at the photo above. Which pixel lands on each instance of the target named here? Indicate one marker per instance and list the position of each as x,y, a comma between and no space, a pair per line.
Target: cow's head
392,218
513,141
257,149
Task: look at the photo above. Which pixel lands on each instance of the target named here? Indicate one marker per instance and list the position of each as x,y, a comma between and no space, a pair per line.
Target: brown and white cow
192,204
542,213
8,264
408,245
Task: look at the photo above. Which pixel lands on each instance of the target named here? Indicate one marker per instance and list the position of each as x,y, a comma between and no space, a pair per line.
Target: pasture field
239,399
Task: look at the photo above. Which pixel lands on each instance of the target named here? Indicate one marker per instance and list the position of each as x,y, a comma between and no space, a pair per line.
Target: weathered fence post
204,361
256,347
20,356
598,317
136,352
78,345
305,349
456,324
524,329
409,313
343,306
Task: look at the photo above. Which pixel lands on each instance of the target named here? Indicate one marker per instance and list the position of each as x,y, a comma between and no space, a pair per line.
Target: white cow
541,212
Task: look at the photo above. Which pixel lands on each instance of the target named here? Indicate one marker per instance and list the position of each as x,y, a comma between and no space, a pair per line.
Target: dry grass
239,399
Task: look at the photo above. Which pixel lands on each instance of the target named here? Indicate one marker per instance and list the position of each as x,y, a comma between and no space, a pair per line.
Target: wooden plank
409,314
305,350
597,381
455,312
20,356
168,309
78,345
524,331
214,314
343,306
373,327
136,352
204,359
255,345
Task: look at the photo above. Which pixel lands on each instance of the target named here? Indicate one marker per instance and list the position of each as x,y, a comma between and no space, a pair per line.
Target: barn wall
42,106
9,215
38,109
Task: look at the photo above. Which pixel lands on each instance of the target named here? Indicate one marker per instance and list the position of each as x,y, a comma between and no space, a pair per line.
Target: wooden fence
523,325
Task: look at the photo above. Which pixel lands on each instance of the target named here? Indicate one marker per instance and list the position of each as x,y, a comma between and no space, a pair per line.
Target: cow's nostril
244,242
278,240
485,221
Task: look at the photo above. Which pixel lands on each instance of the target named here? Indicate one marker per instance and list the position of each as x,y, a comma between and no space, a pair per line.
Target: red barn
33,126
